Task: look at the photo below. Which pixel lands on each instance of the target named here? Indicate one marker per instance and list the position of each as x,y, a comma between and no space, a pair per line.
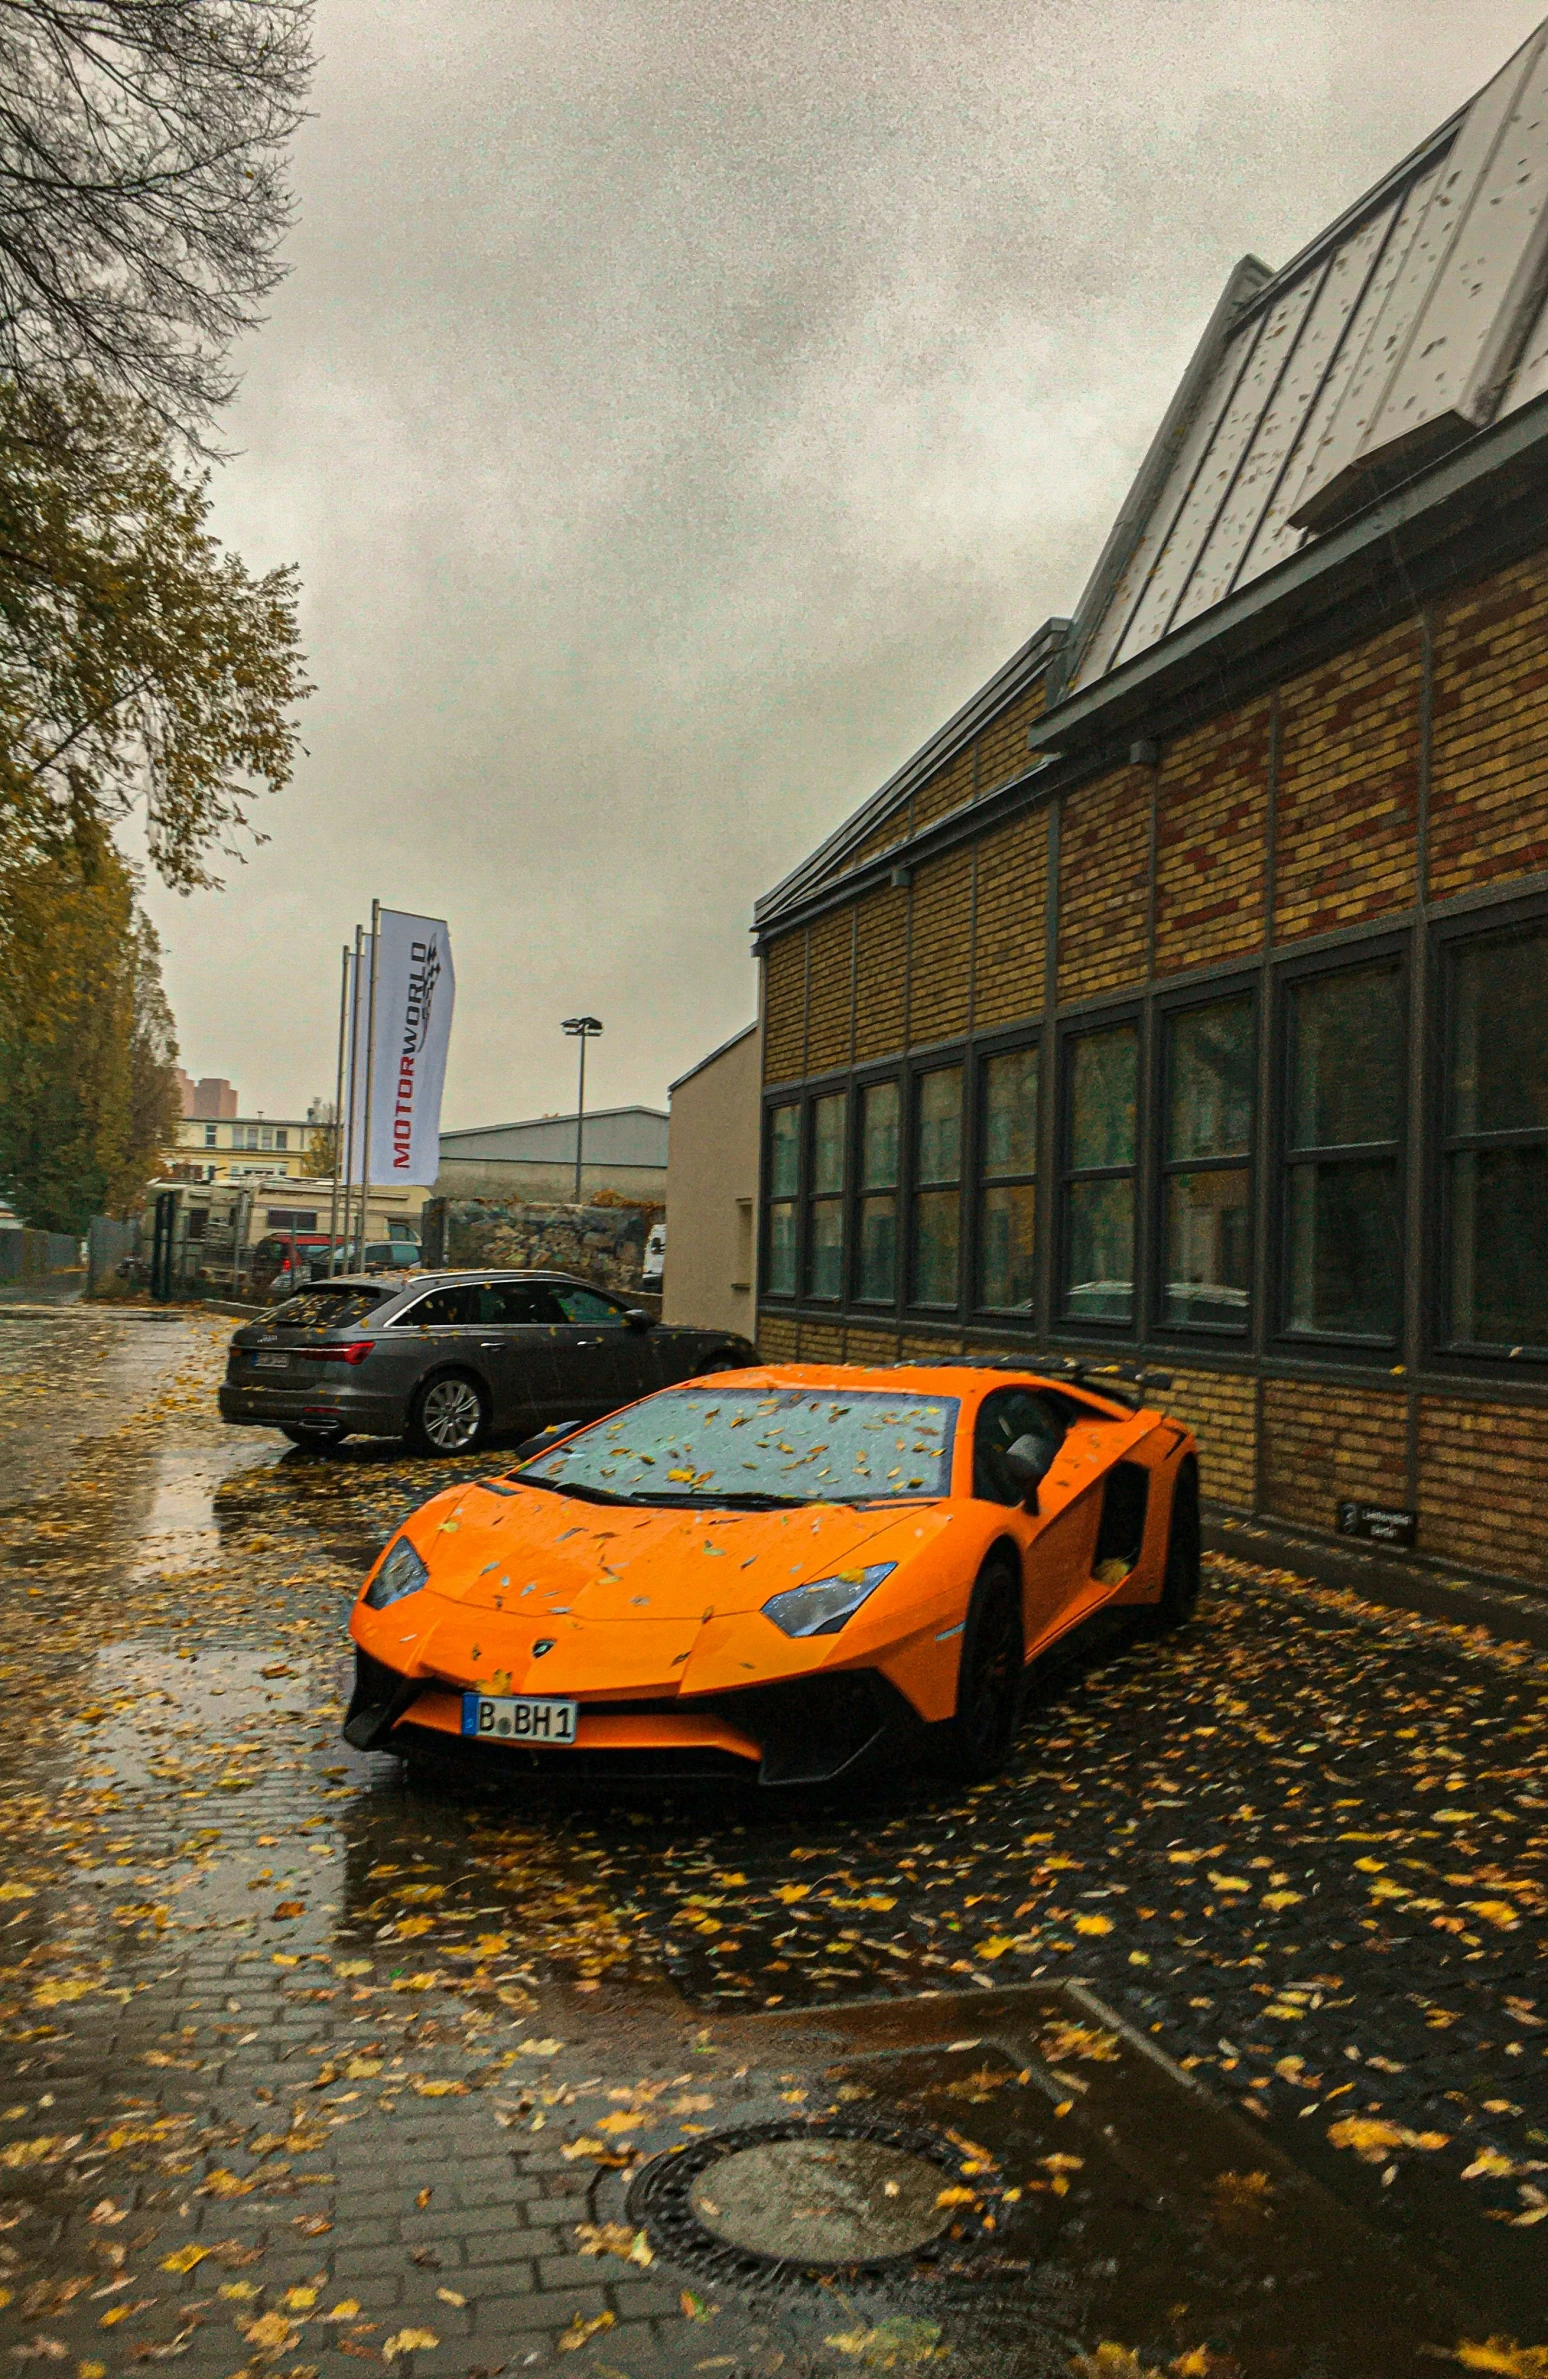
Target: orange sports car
785,1573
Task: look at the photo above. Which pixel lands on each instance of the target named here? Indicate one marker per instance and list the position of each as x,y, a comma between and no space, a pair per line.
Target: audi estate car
448,1359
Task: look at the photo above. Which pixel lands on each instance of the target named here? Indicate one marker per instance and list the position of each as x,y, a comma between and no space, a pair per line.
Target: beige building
712,1189
227,1147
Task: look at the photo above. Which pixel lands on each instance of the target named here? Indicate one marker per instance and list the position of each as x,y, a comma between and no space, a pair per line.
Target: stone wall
601,1243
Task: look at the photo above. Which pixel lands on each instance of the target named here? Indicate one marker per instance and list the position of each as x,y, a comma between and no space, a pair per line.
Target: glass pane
1499,1038
1010,1113
1344,1251
827,1258
940,1126
1207,1247
1099,1272
935,1248
1348,1064
784,1151
1102,1076
1499,1247
782,1246
828,1143
1006,1219
879,1136
1209,1081
879,1249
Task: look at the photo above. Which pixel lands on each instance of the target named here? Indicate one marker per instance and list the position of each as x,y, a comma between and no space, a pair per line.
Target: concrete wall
505,1179
712,1190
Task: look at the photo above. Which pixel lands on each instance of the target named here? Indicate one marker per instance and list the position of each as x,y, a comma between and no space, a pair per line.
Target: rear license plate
271,1362
518,1718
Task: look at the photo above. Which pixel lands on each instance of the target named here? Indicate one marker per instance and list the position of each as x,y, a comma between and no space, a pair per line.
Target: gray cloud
676,410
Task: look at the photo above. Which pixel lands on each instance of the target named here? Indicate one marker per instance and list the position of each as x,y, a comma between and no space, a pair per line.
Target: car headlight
401,1573
822,1608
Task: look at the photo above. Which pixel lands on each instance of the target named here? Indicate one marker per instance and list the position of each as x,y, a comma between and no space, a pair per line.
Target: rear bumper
813,1730
343,1406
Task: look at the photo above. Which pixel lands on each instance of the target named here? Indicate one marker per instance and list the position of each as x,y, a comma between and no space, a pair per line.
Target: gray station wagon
449,1358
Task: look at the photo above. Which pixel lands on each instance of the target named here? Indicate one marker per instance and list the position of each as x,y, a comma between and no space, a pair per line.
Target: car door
1058,1540
519,1329
603,1360
439,1328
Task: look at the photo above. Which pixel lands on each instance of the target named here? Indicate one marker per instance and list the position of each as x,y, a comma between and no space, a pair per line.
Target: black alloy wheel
1184,1550
450,1415
321,1440
980,1736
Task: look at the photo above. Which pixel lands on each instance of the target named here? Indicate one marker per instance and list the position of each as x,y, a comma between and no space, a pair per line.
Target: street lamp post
582,1029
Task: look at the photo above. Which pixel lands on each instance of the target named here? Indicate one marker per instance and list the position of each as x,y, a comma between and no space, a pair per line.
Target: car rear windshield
326,1308
789,1443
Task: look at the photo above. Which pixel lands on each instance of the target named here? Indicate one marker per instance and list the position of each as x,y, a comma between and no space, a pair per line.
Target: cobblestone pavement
299,2061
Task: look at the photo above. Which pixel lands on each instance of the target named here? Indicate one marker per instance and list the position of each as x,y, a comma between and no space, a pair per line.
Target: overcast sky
676,408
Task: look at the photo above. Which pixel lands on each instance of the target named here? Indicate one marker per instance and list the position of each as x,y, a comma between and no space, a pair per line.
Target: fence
109,1243
34,1255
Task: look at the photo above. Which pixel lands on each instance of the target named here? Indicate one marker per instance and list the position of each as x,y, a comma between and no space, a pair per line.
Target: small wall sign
1380,1524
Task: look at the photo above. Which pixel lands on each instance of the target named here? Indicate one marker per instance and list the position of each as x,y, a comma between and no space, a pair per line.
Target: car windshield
325,1308
786,1445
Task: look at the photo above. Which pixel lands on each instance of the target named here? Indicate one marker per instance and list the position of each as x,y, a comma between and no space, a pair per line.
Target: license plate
518,1718
271,1362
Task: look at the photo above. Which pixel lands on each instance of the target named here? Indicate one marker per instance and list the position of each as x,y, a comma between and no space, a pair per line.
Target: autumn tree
141,665
143,191
88,1095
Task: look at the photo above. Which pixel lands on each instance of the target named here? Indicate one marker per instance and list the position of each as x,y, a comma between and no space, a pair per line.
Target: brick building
1185,996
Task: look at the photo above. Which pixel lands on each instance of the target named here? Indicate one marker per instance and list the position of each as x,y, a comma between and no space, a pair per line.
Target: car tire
449,1415
1184,1549
989,1680
321,1440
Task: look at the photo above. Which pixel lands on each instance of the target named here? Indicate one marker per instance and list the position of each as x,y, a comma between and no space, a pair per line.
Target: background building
1186,995
623,1149
222,1148
712,1190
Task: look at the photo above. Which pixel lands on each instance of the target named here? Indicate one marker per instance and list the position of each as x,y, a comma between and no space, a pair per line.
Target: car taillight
355,1352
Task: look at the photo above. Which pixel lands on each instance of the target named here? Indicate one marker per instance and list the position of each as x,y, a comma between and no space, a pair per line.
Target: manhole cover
800,2197
822,2200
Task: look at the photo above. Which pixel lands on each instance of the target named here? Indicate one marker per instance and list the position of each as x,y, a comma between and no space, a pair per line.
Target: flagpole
365,1154
338,1111
350,1135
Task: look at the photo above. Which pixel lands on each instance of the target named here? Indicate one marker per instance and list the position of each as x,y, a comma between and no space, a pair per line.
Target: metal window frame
812,1197
943,1058
1450,939
862,1080
1131,1012
1219,992
774,1102
1390,950
1002,1041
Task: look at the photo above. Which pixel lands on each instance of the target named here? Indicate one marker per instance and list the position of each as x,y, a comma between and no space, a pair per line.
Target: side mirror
638,1319
1025,1462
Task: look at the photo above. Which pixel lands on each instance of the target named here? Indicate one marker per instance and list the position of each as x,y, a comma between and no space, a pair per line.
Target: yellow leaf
449,2296
1229,1883
955,2197
421,1892
579,2331
996,1945
1372,2141
1276,1901
221,2183
91,2370
273,2331
1093,1924
299,2300
184,2259
440,2089
345,2310
791,1892
624,2120
1504,2355
59,1994
404,2341
408,1928
1495,1912
17,1891
1112,2361
1489,2165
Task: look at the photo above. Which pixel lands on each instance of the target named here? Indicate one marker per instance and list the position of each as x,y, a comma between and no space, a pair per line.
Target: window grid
1493,1145
1343,1042
1005,1248
1208,1098
1100,1165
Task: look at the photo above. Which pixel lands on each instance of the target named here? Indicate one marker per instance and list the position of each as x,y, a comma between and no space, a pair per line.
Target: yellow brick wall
829,1006
1347,805
1002,745
822,1342
1220,1407
870,1346
947,790
784,1007
1211,824
1104,864
1489,740
884,837
1322,1443
1012,907
941,964
1483,1486
879,974
777,1338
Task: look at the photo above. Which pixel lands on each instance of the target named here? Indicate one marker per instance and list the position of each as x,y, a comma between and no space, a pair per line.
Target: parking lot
300,2062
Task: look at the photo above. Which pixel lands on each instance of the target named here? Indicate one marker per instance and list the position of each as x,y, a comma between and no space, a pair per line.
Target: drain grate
813,2198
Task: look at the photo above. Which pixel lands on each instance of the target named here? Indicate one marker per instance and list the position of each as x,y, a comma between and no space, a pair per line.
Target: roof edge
734,1042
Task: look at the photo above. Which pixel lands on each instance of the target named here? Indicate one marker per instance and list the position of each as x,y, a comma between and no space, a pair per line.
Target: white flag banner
415,992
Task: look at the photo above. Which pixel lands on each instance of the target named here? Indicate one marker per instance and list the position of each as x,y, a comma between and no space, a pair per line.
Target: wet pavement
1221,2020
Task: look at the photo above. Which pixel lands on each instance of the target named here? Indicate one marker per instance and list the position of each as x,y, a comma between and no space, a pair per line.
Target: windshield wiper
741,1499
569,1487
